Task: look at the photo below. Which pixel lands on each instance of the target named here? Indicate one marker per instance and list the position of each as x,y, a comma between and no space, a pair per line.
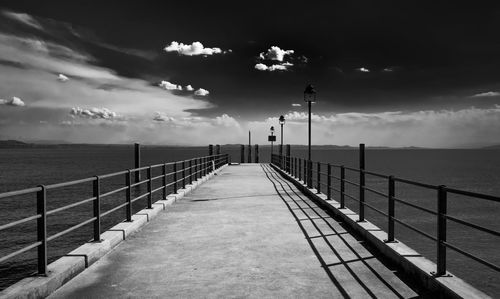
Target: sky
387,73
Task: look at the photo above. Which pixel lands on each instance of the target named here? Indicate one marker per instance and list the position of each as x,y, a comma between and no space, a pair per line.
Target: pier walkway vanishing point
248,232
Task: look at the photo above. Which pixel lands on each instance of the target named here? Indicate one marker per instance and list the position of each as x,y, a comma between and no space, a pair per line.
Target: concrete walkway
245,233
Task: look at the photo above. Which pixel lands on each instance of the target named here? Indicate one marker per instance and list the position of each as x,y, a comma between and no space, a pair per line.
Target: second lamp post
309,97
282,122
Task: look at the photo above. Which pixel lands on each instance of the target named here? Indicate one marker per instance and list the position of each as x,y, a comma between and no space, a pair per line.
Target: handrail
307,176
192,170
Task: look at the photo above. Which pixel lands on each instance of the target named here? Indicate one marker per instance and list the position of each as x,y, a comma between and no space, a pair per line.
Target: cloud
169,86
226,121
275,67
486,94
296,105
162,117
388,69
23,18
15,101
275,53
62,78
363,70
194,49
189,88
201,92
94,113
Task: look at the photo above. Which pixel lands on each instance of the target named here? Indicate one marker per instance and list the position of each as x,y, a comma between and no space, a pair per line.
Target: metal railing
189,171
298,168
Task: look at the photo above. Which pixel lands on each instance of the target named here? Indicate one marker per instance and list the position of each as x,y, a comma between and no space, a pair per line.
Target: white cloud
158,116
94,113
24,18
296,105
486,94
363,70
196,48
275,53
169,86
201,92
15,101
189,88
62,78
388,69
226,121
274,67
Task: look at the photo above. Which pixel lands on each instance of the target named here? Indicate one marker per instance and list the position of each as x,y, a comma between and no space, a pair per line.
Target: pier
220,229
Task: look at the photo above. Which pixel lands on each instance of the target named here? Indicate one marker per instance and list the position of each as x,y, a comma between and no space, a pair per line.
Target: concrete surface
65,268
240,235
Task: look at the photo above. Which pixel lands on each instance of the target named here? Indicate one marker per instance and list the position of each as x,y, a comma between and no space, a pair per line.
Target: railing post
300,169
210,149
256,153
309,174
441,233
318,177
305,171
175,177
41,227
137,155
288,160
329,182
97,208
150,188
128,195
242,153
295,166
391,194
190,171
164,180
342,187
183,174
361,182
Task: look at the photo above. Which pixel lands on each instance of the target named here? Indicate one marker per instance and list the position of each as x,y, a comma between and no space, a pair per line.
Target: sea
476,170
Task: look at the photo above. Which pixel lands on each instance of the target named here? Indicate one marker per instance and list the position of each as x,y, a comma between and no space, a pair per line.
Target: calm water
474,170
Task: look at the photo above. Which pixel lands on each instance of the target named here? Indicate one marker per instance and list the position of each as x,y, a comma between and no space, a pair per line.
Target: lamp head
282,120
310,94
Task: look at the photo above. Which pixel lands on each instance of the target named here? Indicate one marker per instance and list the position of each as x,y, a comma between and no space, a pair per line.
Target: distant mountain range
20,144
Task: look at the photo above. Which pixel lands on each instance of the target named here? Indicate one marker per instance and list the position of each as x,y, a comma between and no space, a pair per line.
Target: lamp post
272,139
309,97
282,122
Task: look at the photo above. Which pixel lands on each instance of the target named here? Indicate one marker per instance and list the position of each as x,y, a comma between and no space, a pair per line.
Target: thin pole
137,162
309,162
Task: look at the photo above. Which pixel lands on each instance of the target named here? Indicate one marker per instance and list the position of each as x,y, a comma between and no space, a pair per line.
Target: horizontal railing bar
138,183
352,169
351,197
373,208
469,224
17,252
5,226
157,177
157,189
336,177
59,234
414,206
351,183
424,185
114,209
376,174
114,191
70,206
335,189
139,169
473,194
108,175
375,191
415,229
20,192
477,259
70,183
139,197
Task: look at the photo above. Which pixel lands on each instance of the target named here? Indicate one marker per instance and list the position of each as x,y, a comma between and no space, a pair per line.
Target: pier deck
245,233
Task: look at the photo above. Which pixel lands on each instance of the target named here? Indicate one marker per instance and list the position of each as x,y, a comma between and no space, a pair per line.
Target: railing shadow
341,255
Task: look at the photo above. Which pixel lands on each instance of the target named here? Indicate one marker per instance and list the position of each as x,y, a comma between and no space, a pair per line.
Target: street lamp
272,138
282,122
309,97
